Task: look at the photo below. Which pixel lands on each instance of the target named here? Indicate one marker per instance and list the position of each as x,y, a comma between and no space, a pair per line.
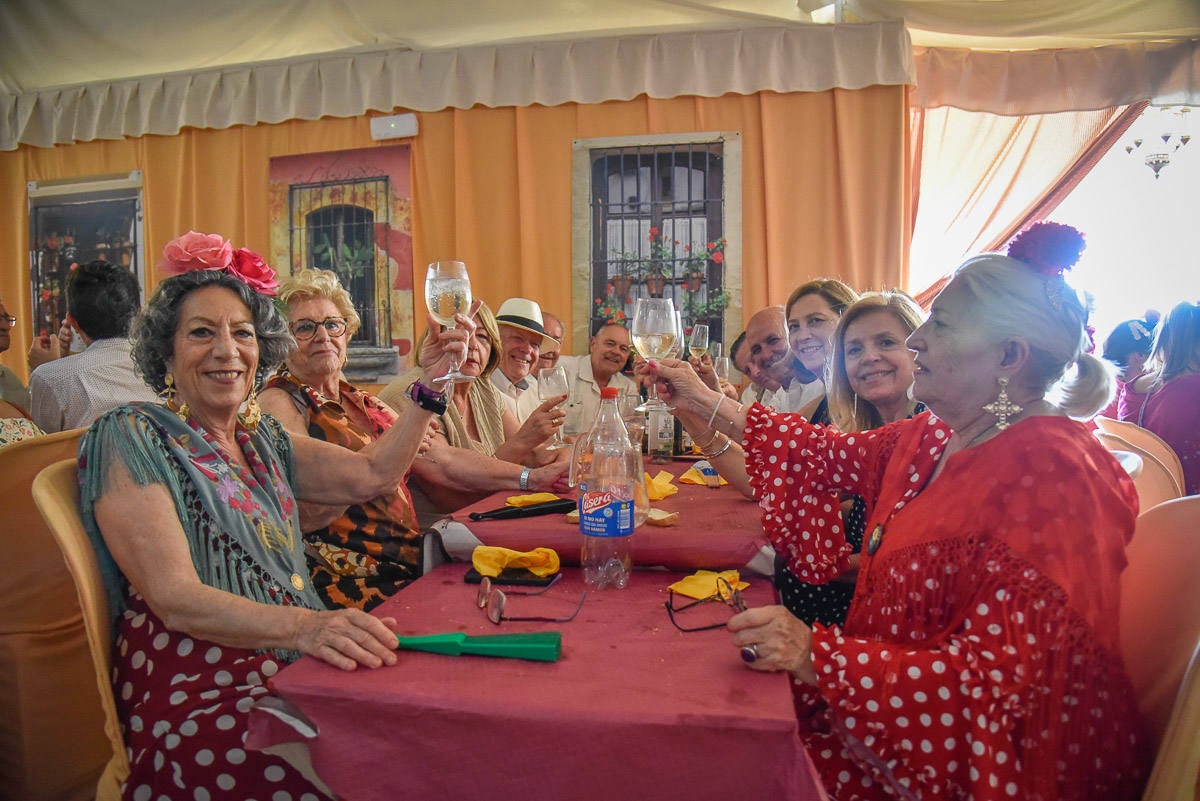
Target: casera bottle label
603,514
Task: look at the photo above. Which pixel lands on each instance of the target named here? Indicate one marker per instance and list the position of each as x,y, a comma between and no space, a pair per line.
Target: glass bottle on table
607,493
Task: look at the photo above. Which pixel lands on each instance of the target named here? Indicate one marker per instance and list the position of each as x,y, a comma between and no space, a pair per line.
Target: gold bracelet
719,451
711,440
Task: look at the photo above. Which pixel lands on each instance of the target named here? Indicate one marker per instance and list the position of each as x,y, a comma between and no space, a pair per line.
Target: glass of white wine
552,383
698,344
448,292
655,335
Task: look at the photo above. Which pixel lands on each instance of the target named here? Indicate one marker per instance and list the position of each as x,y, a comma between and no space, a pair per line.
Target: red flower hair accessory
1048,247
196,251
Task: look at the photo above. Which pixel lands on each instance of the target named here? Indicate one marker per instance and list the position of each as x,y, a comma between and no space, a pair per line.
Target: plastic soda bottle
606,498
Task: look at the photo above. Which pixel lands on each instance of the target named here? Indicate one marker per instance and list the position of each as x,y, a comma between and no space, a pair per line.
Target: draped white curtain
804,58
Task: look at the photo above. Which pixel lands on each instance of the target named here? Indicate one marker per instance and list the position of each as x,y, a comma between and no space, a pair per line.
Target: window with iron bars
657,230
334,225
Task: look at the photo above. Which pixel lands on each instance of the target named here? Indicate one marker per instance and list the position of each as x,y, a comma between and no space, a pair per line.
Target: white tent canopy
73,70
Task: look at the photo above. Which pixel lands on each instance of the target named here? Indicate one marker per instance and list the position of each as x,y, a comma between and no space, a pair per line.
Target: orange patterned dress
374,548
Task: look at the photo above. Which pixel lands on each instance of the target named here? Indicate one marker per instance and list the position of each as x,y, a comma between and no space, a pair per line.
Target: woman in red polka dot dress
980,656
191,505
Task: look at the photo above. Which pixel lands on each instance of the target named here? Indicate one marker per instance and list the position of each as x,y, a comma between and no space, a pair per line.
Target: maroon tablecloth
717,528
634,709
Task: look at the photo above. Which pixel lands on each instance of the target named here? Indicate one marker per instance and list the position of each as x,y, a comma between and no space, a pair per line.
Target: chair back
56,492
1155,482
1146,440
1160,637
47,695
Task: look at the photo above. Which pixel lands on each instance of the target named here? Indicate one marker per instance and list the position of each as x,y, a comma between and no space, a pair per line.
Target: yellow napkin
703,583
489,560
693,476
530,500
660,486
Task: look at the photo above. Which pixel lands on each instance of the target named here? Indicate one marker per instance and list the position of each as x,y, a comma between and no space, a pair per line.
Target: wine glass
721,367
698,344
552,383
448,292
655,333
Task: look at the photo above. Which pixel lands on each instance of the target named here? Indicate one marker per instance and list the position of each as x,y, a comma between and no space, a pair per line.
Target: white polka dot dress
186,724
979,658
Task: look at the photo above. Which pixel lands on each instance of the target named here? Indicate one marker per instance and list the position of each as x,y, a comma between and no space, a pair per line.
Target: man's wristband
427,399
524,481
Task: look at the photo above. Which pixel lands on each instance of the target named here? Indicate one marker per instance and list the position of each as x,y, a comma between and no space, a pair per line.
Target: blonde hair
838,295
487,321
1011,299
308,284
843,411
1177,343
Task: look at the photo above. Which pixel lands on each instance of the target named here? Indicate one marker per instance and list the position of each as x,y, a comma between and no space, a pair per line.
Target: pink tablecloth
718,528
634,709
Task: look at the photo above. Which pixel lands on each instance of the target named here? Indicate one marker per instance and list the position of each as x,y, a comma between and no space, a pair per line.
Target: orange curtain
982,177
824,188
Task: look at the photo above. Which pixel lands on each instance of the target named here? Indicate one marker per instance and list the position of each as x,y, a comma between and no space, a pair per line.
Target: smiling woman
192,508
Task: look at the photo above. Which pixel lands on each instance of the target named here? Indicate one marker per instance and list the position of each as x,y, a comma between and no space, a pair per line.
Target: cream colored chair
56,492
1145,441
1155,483
52,745
1160,641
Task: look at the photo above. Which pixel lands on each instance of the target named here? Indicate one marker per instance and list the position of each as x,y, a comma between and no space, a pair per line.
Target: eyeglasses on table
725,593
494,599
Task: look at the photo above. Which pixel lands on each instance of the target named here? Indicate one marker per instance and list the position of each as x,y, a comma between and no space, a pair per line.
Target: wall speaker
397,126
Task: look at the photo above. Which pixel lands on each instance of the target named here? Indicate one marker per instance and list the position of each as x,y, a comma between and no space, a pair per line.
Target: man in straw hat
522,336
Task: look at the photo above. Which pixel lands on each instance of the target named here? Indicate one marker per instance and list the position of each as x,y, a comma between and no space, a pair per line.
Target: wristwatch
426,398
523,483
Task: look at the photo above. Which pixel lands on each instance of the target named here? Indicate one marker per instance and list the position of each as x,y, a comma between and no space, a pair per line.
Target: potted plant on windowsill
696,263
660,267
704,310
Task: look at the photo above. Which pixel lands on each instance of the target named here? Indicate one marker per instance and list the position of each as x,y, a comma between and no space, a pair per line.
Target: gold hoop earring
168,395
1002,407
252,414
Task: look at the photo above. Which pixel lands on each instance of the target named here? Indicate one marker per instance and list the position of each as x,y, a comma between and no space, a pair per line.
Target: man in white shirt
601,367
774,367
549,355
522,336
71,392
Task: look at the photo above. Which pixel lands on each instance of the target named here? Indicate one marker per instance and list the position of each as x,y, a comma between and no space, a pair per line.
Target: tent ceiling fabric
53,43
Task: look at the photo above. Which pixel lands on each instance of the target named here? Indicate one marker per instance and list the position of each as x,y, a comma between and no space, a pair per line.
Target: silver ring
750,652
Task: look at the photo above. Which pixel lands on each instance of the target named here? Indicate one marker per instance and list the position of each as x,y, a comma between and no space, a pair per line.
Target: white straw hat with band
526,314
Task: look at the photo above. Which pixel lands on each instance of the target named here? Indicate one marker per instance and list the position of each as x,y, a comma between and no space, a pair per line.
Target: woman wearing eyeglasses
362,553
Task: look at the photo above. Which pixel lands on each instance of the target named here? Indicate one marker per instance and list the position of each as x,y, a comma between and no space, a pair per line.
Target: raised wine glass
448,292
552,383
655,333
698,344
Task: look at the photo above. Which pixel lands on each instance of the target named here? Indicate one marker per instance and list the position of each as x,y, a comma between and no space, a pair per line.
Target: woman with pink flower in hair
980,657
192,506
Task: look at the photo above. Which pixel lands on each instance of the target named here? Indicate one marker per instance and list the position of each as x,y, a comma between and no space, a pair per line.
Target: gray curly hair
153,331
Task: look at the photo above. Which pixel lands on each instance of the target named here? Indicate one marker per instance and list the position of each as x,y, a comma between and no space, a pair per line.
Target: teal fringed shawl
242,527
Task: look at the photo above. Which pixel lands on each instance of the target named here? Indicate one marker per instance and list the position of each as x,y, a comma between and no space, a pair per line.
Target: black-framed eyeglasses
493,599
726,593
305,330
9,319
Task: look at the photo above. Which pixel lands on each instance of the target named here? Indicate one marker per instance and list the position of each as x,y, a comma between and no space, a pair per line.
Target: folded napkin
703,583
660,486
489,560
530,500
694,476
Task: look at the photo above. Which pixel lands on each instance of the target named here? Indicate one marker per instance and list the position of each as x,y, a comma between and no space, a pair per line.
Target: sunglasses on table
725,593
307,329
494,599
